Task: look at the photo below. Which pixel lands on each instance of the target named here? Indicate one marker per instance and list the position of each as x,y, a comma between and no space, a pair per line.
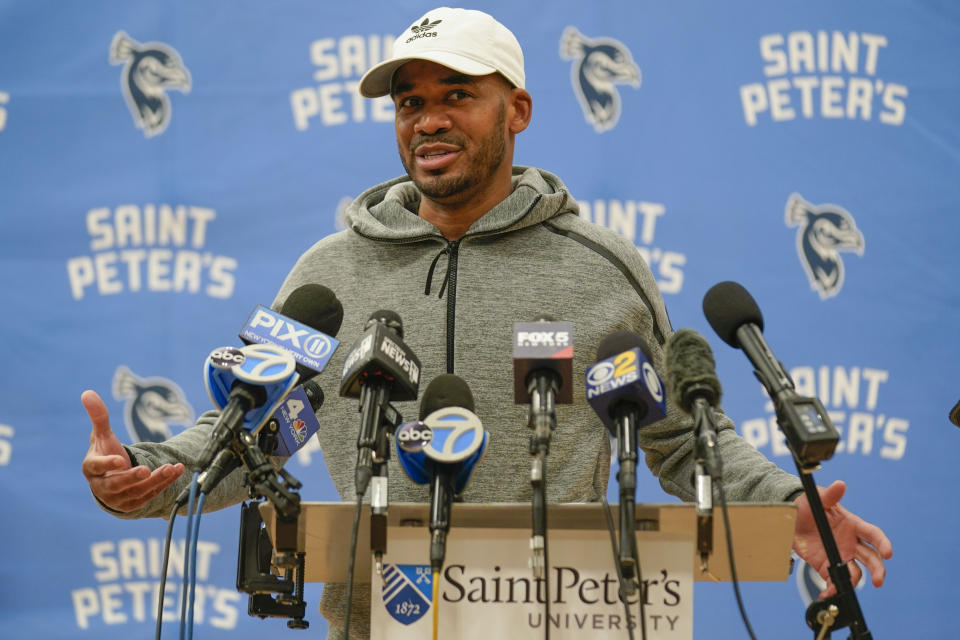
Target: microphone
542,377
314,313
623,379
246,384
283,434
811,437
693,383
379,367
626,393
308,319
734,315
542,358
294,422
442,449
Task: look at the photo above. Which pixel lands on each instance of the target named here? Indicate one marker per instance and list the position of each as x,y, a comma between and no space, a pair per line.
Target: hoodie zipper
453,246
453,249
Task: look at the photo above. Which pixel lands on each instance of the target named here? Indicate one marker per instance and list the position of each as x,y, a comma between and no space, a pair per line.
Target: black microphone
380,367
543,359
316,306
624,390
294,422
443,448
305,325
694,387
542,364
318,309
734,315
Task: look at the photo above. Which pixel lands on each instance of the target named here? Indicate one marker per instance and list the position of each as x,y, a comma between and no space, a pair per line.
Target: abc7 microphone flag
450,435
264,365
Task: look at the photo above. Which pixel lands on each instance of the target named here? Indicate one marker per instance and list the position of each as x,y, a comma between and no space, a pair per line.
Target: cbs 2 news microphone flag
809,151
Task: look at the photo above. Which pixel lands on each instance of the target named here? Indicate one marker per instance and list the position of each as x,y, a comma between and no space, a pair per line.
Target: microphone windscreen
728,306
690,366
315,306
620,341
314,393
446,390
388,318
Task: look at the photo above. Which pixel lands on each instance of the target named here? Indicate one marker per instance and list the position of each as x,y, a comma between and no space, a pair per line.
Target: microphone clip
264,480
543,414
705,443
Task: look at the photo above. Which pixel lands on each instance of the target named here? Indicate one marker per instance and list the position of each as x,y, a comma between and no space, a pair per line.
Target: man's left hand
859,542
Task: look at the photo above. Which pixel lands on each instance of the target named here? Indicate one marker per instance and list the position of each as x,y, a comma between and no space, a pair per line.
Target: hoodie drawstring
446,277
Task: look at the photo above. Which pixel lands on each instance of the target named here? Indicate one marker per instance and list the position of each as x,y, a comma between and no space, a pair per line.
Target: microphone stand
627,479
389,419
709,469
808,430
543,420
841,609
280,487
379,420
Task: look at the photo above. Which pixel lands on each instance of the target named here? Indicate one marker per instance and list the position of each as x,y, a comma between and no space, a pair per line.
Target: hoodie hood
388,210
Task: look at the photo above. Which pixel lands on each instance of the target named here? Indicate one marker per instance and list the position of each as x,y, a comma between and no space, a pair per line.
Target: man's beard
490,155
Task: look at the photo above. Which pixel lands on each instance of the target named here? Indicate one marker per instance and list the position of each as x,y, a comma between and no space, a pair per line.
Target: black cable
733,568
643,595
546,565
163,571
351,561
616,565
191,511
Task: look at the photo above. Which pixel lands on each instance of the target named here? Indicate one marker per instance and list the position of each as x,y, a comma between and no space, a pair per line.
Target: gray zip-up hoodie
530,255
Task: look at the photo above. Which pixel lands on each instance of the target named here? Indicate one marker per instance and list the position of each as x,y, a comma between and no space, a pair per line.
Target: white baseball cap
464,40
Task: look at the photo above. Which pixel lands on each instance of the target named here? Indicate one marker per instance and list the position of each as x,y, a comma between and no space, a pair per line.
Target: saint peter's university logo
153,404
149,71
599,65
823,232
407,591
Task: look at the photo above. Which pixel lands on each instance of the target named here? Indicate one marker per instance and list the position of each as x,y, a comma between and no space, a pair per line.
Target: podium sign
487,589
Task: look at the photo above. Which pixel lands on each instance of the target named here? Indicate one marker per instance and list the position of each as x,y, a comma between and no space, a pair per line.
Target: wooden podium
762,533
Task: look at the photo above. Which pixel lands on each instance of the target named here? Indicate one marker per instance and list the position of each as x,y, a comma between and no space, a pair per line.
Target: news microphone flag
626,376
451,439
309,347
542,345
296,422
264,365
381,354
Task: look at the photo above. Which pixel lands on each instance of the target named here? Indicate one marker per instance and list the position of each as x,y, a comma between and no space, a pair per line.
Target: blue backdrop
163,164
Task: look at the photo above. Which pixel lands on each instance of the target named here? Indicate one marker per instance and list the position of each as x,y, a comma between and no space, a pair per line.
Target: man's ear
521,110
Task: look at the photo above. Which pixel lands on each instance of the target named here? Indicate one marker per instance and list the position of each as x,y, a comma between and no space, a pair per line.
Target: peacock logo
150,70
152,405
823,232
599,65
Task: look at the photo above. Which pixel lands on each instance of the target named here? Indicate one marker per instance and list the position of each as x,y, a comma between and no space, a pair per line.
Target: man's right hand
107,468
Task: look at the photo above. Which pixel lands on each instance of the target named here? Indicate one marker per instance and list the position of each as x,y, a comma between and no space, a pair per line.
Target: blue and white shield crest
407,591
